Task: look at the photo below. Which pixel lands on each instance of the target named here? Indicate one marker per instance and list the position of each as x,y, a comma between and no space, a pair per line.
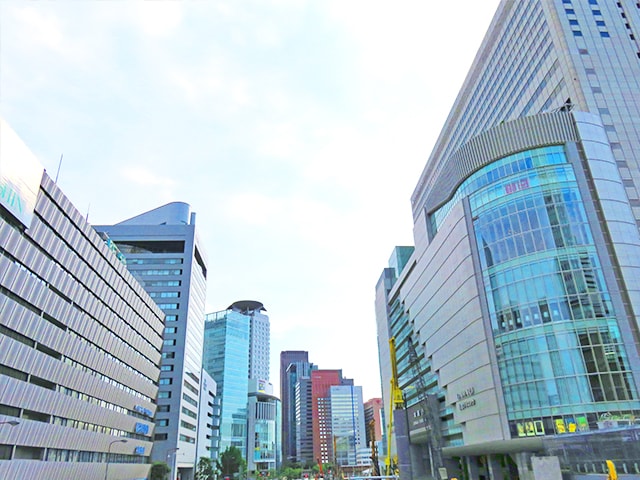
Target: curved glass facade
561,359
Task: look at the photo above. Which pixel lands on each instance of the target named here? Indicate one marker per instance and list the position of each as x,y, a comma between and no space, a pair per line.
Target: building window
554,324
166,368
165,381
168,306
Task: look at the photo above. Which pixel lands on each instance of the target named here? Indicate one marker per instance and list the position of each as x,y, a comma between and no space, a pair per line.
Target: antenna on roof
59,165
87,217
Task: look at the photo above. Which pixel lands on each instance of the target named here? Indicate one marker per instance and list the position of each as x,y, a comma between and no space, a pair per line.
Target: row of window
164,294
154,272
154,261
20,452
64,328
91,263
25,377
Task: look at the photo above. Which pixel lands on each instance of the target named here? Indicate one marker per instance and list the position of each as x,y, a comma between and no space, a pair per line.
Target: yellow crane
396,403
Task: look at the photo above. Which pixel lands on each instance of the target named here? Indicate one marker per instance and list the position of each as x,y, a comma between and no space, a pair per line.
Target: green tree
159,471
231,462
204,470
292,473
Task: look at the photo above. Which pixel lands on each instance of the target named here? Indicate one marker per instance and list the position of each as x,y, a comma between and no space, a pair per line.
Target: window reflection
557,339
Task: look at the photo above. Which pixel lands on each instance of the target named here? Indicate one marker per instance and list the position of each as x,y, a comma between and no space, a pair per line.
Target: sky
295,129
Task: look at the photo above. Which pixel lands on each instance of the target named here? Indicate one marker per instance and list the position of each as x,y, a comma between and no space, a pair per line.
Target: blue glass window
557,339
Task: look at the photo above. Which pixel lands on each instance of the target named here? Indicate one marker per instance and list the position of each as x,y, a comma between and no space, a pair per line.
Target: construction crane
396,403
375,463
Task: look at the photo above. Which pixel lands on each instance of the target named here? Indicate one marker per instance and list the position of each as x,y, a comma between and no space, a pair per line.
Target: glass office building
517,316
236,350
226,359
348,428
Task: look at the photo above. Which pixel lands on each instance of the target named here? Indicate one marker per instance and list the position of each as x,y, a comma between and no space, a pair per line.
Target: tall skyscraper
321,383
289,362
164,253
303,406
235,348
260,338
80,339
516,318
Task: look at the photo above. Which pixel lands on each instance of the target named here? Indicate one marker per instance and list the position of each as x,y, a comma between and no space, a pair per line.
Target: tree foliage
159,471
231,461
204,469
291,472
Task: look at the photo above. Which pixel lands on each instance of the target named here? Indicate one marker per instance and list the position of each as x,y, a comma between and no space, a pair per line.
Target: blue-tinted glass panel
559,348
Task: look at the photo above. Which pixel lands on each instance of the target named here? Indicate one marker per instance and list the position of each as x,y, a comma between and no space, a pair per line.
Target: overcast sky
295,129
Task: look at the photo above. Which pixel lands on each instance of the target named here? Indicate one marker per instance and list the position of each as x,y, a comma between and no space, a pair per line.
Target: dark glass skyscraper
289,361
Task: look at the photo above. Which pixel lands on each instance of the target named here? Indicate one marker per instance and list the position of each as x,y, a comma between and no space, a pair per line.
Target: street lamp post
172,453
106,468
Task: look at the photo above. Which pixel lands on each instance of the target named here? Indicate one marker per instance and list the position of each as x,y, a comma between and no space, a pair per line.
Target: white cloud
328,110
143,176
158,18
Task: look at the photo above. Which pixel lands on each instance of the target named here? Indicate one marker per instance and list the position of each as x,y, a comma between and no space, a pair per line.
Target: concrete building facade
80,339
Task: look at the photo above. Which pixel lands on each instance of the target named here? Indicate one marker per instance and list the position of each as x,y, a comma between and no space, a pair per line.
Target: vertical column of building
288,379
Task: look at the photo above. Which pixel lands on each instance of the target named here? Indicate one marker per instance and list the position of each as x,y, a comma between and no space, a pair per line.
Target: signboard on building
20,176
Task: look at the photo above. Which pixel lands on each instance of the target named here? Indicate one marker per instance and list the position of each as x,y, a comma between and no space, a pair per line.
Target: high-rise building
234,350
516,318
292,365
259,340
348,429
80,339
263,429
164,254
321,383
303,406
